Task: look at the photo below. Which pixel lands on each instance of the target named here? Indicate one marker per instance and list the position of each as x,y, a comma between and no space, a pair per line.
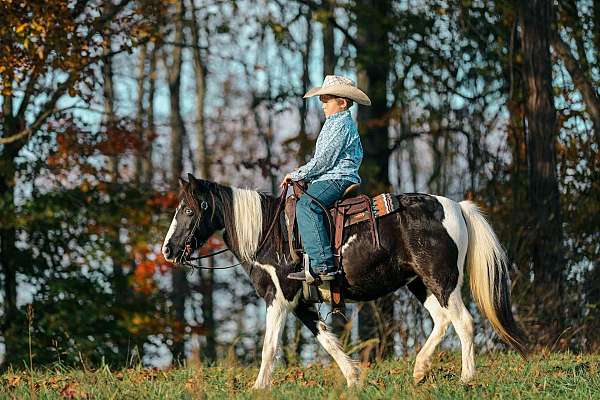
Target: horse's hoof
260,386
419,377
354,382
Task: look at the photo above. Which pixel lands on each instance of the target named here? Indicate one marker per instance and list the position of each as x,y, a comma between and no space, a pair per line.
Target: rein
327,214
280,203
188,261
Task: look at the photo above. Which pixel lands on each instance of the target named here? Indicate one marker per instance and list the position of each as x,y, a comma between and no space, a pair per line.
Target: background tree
96,128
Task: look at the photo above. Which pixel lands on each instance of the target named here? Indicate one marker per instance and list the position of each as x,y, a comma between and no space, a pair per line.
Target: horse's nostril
167,251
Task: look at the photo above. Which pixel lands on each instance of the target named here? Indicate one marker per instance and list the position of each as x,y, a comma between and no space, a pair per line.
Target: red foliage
147,265
213,244
76,147
164,201
143,277
119,139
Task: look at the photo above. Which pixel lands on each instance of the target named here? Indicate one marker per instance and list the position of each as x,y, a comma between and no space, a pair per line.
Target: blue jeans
313,228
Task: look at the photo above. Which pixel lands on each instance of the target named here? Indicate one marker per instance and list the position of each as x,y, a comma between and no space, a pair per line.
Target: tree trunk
147,168
373,63
329,59
547,251
179,278
8,233
304,150
109,109
516,241
8,249
203,165
139,120
174,84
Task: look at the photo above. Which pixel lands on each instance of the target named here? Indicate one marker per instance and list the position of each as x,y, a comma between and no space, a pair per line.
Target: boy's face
332,104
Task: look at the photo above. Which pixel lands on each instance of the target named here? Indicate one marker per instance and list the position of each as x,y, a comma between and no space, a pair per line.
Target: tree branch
582,83
29,130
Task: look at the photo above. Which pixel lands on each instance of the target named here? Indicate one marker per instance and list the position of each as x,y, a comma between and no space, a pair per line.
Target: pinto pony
425,245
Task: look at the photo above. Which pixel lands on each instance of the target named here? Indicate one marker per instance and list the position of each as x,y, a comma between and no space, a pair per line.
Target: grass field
499,375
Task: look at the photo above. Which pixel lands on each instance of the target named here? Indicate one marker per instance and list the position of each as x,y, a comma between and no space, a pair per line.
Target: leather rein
280,203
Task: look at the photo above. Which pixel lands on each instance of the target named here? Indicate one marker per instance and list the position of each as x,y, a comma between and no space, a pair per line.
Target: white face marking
171,231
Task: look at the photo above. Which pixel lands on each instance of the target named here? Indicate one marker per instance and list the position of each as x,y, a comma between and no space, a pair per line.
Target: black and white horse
424,246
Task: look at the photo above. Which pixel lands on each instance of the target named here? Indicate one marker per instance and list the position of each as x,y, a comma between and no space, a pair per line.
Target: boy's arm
327,152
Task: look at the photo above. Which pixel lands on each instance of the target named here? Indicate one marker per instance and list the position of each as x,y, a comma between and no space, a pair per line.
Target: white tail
488,277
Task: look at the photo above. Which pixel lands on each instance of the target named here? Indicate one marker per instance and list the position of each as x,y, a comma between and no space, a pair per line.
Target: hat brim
349,92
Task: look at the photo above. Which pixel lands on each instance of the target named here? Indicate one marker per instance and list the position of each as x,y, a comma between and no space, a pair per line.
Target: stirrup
298,276
328,276
306,275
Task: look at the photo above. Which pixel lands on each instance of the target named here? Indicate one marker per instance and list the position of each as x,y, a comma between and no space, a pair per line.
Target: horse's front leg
276,314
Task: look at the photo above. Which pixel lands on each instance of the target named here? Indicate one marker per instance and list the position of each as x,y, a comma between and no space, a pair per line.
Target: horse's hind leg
461,319
310,318
441,320
463,325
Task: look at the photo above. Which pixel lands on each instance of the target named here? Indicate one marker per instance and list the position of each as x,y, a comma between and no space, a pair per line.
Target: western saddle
350,209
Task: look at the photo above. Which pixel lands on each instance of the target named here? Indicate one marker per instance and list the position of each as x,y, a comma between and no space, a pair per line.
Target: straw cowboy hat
340,86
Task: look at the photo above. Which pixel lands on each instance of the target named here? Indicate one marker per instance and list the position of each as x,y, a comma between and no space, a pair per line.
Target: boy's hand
286,179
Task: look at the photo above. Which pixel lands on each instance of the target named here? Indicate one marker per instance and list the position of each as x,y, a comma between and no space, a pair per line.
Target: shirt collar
339,114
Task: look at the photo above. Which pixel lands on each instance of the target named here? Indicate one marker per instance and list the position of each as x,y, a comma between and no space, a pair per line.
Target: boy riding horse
333,168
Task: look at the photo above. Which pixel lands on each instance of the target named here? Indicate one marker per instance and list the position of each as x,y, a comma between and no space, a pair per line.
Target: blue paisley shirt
338,152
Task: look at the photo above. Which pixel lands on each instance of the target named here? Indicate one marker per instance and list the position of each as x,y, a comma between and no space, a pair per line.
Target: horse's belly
379,285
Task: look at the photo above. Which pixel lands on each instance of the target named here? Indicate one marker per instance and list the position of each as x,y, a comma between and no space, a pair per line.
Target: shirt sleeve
330,144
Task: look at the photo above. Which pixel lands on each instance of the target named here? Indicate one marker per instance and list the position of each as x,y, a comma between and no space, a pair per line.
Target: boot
325,272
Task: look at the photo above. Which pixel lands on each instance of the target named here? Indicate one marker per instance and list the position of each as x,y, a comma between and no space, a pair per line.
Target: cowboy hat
340,86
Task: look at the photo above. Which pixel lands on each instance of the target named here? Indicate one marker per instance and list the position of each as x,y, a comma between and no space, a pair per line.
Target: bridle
187,261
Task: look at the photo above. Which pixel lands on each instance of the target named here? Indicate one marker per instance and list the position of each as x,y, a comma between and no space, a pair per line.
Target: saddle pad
384,203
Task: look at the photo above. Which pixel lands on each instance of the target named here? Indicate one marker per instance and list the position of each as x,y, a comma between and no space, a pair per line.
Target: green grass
499,375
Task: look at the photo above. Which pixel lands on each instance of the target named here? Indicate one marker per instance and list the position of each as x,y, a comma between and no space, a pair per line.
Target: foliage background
106,103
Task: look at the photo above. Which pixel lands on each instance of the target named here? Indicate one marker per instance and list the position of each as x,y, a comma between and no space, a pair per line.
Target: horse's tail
489,278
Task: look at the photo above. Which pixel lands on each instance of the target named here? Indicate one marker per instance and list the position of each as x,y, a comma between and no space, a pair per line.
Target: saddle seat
351,191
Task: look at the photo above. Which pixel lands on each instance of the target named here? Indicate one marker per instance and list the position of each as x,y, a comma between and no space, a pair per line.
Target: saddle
350,209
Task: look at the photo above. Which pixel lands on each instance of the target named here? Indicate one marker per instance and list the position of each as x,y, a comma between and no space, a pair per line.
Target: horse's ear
182,183
200,184
192,178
